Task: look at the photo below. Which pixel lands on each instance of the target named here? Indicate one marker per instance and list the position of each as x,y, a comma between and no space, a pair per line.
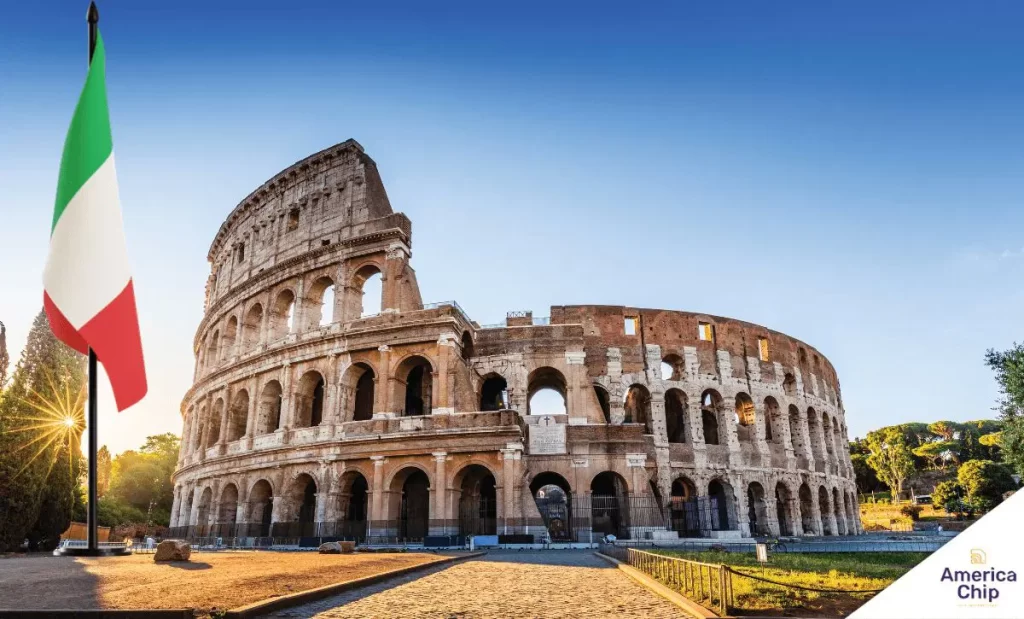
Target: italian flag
88,294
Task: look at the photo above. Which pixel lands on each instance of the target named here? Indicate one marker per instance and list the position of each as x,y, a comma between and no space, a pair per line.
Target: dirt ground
210,581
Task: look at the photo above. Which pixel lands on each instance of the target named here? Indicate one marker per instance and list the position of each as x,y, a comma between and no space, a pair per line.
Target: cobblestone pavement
528,585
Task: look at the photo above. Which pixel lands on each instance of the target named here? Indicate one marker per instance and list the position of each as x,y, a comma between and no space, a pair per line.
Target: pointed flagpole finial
93,16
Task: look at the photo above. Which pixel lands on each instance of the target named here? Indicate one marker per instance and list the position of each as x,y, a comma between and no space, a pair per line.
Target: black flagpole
93,17
93,547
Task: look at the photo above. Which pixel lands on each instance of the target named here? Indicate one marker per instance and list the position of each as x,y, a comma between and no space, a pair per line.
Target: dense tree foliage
1009,369
140,483
867,480
984,482
39,470
890,456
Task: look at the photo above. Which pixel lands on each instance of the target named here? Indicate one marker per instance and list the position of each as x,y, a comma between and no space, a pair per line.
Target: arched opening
789,384
493,393
417,388
228,514
411,489
321,302
710,413
213,350
604,401
282,315
609,499
199,440
228,341
807,510
553,496
251,327
796,434
814,428
302,504
269,416
309,403
722,504
757,510
746,418
368,285
261,508
478,504
825,509
214,431
203,511
677,416
359,384
685,507
672,367
772,420
637,407
783,499
238,415
546,392
354,503
838,510
467,346
826,425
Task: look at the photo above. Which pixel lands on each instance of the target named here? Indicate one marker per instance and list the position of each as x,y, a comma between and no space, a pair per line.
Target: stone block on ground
330,548
172,550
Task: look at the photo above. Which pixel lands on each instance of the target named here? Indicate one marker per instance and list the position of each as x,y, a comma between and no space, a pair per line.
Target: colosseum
313,415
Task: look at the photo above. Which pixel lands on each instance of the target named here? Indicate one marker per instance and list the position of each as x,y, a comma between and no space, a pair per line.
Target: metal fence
713,585
708,584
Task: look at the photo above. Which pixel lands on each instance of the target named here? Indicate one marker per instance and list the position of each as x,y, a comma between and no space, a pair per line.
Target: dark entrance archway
609,505
414,510
478,505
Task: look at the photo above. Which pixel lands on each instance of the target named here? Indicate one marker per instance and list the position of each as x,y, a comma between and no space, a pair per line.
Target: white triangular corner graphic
985,576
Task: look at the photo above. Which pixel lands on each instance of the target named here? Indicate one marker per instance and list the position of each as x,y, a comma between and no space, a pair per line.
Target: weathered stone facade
306,411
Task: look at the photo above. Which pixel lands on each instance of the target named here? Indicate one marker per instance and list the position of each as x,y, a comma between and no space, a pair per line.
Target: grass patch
846,571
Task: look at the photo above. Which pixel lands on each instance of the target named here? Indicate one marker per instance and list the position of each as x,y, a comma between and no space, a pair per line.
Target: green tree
44,391
947,495
1009,369
984,483
946,430
938,452
104,464
142,479
57,505
890,457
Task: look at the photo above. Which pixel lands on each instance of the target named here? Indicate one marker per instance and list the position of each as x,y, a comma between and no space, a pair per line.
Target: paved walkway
528,585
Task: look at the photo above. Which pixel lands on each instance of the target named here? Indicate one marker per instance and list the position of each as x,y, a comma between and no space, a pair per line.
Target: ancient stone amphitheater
309,417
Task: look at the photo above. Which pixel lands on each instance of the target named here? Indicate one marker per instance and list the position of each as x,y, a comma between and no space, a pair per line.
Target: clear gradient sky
847,173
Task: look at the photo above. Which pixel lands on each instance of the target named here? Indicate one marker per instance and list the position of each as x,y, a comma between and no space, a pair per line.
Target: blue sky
846,173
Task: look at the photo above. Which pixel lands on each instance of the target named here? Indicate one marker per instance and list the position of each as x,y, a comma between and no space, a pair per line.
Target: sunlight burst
56,421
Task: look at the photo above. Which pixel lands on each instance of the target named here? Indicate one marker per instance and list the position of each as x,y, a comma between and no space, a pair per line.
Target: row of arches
288,313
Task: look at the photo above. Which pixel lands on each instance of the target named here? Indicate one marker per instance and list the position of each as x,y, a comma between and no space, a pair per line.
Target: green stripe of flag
88,143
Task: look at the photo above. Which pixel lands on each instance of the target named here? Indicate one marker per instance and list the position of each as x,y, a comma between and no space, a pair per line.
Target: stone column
508,482
222,437
250,415
394,265
382,390
615,409
443,398
772,513
262,336
795,517
816,514
176,506
287,398
377,524
439,490
301,310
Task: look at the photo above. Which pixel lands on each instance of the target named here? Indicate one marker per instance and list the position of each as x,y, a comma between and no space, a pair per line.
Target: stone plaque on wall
546,435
